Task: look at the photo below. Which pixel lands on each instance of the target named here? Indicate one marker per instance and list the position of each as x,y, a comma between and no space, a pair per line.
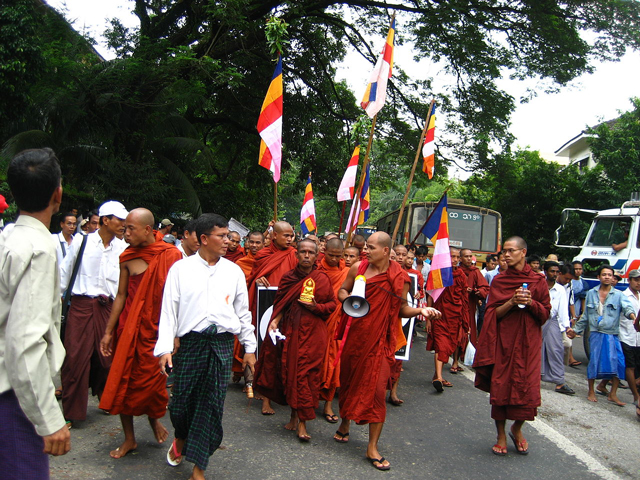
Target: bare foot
592,397
123,449
293,424
197,474
159,431
394,400
602,390
266,407
616,400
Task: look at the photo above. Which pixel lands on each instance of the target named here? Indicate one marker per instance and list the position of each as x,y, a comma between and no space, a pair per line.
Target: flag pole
344,204
363,174
413,171
275,201
428,218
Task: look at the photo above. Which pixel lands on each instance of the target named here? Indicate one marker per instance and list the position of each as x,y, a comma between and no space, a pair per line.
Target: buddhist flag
270,125
308,212
345,192
376,92
428,149
437,229
362,216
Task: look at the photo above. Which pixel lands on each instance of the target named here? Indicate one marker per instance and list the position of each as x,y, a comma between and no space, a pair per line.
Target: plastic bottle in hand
524,287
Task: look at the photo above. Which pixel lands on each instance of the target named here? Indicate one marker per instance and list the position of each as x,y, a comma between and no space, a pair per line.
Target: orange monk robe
236,255
159,235
330,374
450,330
370,346
246,263
272,263
135,385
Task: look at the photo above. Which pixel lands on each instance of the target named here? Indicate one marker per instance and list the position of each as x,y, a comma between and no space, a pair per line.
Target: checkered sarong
201,375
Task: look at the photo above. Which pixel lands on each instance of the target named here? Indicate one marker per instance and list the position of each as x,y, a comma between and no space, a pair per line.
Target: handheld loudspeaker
355,305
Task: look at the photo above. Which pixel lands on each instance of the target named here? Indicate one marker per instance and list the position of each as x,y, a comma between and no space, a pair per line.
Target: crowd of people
153,318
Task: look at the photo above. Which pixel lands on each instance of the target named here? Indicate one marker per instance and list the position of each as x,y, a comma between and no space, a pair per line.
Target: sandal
379,461
520,445
343,437
177,457
437,384
330,418
447,383
453,370
502,452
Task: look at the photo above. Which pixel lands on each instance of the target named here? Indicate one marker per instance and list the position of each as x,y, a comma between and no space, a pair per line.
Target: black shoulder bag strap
67,294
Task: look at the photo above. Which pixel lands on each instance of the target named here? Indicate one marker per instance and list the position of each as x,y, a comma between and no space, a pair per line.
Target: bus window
418,217
489,233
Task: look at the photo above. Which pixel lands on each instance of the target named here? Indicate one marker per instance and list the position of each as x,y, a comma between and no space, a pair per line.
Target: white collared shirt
628,332
197,295
559,306
62,247
32,352
99,270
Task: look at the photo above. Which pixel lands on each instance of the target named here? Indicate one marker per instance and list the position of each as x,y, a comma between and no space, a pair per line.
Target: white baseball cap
113,208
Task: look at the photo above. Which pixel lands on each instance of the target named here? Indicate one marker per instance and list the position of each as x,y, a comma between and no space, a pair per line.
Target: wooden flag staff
275,202
413,171
428,218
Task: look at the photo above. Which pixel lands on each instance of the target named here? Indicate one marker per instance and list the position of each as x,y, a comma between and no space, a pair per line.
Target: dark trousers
21,456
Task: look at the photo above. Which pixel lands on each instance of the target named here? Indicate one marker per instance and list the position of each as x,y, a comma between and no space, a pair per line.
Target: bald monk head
379,246
351,255
515,252
138,228
234,241
408,261
306,253
313,238
466,257
282,235
401,253
455,257
358,242
333,252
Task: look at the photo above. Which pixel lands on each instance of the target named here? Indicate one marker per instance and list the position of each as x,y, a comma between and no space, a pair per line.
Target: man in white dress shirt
205,303
64,238
31,423
92,295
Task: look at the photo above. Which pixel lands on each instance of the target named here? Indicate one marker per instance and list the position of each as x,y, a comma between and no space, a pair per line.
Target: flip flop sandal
604,394
380,461
437,384
453,370
343,437
446,383
519,445
177,457
330,418
501,453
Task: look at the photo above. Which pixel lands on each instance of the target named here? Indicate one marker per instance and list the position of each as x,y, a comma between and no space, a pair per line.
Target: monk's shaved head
454,249
335,243
142,217
465,250
359,241
381,238
307,241
519,241
280,227
400,248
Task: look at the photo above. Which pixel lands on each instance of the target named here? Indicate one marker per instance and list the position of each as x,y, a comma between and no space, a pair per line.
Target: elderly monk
234,251
370,343
255,243
289,372
135,385
333,266
478,289
448,333
510,345
269,267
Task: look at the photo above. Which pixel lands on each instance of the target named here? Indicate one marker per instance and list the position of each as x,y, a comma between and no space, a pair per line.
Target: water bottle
524,287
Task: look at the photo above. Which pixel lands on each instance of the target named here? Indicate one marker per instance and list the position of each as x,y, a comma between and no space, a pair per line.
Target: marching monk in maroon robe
135,386
333,265
270,265
234,251
448,333
289,373
478,289
508,356
370,343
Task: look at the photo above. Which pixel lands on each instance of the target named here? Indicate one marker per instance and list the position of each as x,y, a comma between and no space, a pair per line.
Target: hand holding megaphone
355,305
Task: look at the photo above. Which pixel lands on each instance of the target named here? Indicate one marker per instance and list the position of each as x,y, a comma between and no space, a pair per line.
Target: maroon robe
475,281
369,347
289,373
236,255
508,355
450,330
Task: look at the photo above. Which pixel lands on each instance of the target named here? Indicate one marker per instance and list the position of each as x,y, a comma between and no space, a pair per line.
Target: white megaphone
355,305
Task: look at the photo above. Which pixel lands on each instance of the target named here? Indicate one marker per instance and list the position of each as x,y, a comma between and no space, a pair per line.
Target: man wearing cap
165,229
92,295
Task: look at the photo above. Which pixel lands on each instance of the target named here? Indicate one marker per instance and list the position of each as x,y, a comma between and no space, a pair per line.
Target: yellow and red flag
270,125
308,212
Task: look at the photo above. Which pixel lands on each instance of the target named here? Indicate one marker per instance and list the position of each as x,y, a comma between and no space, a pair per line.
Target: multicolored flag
428,150
308,212
363,207
270,125
437,230
376,92
345,191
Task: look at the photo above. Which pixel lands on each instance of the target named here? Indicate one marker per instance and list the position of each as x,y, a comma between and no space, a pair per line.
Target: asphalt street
443,436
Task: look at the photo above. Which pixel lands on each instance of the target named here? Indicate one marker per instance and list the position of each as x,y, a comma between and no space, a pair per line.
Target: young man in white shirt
204,304
31,423
64,238
190,243
92,295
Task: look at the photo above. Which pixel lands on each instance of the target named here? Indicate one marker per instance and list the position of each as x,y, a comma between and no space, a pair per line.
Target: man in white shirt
204,304
31,423
552,345
190,243
92,295
64,238
630,338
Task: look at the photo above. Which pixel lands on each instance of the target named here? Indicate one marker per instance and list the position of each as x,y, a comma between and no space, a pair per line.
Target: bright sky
545,123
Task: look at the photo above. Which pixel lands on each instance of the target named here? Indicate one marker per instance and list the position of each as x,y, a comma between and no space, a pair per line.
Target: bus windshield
608,231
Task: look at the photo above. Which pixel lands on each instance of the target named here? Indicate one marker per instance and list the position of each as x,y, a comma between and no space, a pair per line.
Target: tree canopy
171,122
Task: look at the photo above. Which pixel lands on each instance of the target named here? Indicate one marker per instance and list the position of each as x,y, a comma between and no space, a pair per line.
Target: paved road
443,436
